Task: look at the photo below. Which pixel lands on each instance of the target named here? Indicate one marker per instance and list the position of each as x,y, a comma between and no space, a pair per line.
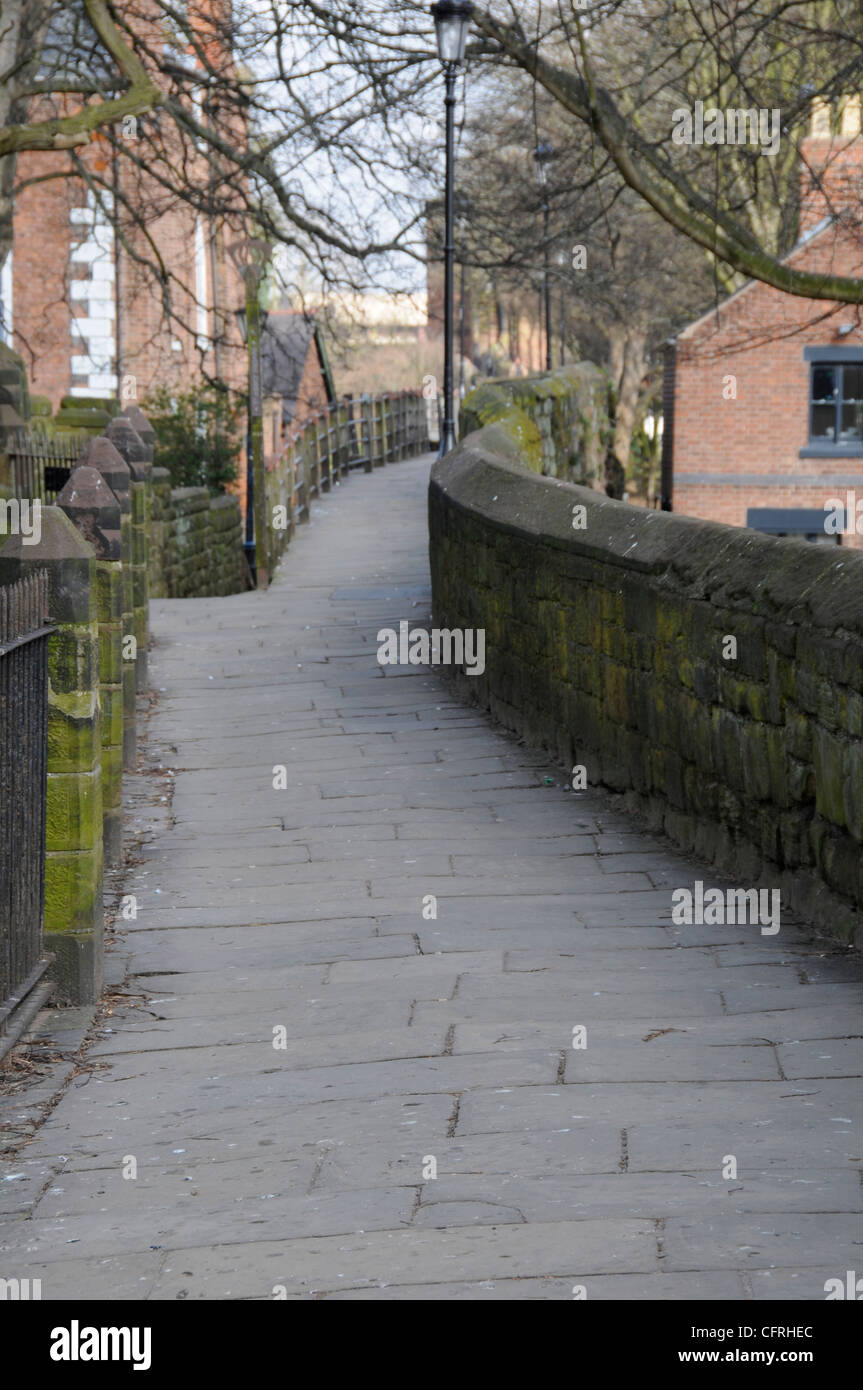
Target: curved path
303,1044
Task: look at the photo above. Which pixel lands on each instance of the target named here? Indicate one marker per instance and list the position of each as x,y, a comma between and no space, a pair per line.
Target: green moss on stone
74,811
73,892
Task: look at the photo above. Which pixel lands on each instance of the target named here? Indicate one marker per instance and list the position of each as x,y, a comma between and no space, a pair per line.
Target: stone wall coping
775,578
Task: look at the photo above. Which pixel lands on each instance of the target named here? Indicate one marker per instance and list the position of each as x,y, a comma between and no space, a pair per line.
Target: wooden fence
366,432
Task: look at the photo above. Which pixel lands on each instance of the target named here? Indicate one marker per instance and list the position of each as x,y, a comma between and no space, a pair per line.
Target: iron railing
23,766
41,462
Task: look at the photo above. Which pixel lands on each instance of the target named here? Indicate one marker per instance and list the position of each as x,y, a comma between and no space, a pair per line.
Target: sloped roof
286,342
814,232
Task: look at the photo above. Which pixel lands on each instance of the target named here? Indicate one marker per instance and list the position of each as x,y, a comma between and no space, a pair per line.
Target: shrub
198,435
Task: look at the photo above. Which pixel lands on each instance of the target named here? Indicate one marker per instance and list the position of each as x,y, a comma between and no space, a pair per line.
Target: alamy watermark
735,126
77,1343
21,517
850,1288
844,518
716,907
20,1290
442,646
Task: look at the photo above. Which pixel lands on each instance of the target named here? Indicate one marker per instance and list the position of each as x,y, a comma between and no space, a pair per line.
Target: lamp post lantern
451,19
542,156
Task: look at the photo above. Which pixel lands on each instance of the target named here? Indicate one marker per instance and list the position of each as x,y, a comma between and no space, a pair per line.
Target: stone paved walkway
305,1168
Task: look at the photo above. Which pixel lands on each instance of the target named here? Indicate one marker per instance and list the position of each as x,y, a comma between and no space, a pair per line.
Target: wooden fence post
366,431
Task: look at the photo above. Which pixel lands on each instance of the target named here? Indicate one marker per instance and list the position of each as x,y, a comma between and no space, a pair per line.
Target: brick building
80,294
767,388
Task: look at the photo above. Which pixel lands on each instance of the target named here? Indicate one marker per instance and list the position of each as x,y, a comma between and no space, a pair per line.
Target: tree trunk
628,366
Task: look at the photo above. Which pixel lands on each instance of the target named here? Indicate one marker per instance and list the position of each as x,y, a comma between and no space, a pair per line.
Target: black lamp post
451,19
252,321
461,227
542,156
249,538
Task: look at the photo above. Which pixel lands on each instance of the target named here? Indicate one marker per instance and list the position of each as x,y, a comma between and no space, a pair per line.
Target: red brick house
766,390
79,299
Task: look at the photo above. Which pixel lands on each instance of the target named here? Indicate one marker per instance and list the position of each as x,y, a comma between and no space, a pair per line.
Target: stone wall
74,831
610,645
196,542
117,531
557,423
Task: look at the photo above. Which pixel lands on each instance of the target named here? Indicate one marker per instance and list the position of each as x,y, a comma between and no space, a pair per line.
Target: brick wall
312,395
831,168
122,311
41,275
742,399
742,386
606,645
149,350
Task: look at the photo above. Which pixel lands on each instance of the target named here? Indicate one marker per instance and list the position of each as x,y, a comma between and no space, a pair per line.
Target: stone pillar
94,510
74,921
101,455
137,455
141,425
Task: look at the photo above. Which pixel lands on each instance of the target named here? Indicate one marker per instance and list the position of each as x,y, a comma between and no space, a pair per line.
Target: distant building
295,366
296,379
499,321
767,389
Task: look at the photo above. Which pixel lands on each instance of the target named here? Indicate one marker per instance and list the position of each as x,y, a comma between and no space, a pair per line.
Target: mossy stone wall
558,423
196,542
609,645
73,921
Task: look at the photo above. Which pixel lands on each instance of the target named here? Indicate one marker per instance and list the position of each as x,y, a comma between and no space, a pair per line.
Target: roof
286,341
810,236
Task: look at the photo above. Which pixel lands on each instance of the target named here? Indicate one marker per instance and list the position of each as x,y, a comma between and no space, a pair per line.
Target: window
803,523
6,301
835,402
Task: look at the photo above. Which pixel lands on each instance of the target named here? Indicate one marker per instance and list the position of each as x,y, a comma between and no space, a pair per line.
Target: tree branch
668,191
66,132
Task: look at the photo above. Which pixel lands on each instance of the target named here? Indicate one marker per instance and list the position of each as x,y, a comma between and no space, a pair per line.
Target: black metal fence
23,752
41,462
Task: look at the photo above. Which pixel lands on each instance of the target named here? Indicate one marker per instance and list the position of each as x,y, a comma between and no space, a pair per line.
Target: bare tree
278,118
740,55
622,280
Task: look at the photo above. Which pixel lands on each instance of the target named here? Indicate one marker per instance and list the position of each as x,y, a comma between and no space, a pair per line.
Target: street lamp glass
542,156
451,21
240,315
